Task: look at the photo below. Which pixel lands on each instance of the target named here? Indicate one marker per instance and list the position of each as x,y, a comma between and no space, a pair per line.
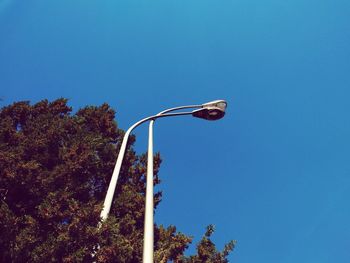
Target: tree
55,167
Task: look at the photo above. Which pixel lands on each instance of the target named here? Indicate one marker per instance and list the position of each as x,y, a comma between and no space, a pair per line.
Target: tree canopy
55,168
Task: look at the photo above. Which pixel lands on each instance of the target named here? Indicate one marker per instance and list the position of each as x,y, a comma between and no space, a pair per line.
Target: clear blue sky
275,172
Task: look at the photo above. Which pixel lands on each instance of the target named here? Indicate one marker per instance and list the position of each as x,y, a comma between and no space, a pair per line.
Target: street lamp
213,110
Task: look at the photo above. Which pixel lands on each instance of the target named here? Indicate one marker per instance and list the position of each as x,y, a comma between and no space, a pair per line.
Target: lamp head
221,104
211,111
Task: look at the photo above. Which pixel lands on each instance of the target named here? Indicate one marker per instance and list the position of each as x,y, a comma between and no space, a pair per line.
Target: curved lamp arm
111,188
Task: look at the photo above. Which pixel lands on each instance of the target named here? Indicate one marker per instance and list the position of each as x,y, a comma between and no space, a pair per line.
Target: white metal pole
148,240
113,183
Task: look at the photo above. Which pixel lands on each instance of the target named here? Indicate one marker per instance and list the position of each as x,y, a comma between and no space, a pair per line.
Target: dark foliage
55,167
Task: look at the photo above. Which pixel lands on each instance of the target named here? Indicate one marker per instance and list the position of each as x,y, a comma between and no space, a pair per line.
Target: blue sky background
274,174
